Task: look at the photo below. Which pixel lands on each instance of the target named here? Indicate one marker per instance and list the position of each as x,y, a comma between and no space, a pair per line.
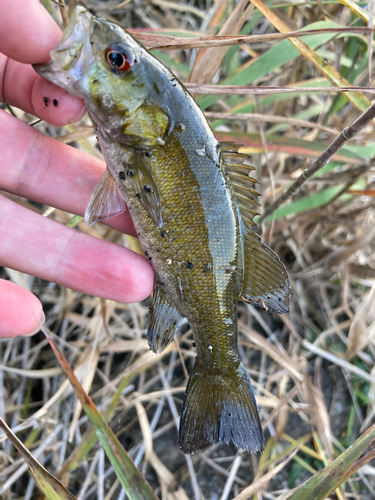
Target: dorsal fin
266,281
243,184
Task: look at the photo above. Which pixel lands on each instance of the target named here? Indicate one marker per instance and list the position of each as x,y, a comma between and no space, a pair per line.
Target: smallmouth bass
191,200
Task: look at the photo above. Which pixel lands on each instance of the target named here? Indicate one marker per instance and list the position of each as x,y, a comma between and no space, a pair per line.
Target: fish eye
119,57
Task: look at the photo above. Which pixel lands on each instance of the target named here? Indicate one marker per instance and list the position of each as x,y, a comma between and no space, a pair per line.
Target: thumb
21,313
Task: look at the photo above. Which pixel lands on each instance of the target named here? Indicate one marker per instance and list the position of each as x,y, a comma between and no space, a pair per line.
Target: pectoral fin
144,187
164,322
266,281
105,202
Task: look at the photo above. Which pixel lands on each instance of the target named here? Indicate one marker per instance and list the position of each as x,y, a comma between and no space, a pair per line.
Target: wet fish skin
172,173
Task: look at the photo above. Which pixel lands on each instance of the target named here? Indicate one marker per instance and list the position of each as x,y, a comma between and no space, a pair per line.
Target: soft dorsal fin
164,322
266,281
243,184
105,202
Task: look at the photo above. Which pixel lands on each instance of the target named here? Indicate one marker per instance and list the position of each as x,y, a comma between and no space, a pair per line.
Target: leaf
49,485
357,99
328,479
208,60
135,485
294,147
272,59
307,203
354,7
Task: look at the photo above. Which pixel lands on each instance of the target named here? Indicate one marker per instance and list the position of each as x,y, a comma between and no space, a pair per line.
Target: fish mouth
72,54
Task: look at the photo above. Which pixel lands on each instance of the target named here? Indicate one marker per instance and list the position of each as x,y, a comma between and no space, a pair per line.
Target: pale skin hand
44,170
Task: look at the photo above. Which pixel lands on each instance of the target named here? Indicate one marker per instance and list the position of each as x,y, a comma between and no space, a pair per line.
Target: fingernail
80,115
41,322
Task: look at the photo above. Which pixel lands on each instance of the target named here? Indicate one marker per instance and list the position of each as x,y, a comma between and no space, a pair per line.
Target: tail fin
220,408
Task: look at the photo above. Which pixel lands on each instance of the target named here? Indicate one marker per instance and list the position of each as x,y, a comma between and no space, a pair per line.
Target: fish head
117,78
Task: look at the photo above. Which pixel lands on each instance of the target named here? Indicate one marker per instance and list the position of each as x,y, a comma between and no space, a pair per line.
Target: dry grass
313,369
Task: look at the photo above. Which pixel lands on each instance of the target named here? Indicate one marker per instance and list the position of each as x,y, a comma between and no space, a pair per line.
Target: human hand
44,170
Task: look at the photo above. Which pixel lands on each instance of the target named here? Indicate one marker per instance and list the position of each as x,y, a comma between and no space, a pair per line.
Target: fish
192,201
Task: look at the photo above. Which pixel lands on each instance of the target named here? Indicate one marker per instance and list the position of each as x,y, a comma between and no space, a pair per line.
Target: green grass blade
50,486
331,477
135,485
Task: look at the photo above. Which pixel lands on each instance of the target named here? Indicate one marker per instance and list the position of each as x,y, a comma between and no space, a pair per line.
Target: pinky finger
21,312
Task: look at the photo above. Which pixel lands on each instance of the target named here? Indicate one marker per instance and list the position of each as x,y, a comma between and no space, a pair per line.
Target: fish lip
68,54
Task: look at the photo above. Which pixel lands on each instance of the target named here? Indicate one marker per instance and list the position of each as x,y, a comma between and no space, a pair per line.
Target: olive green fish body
191,202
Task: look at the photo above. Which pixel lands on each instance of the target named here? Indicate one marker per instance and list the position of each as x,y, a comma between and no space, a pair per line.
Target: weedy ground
312,369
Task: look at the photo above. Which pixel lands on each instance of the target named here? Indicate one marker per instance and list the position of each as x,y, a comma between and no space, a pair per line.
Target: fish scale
193,221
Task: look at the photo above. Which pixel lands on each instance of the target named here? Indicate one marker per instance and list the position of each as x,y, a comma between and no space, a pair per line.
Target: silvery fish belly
191,200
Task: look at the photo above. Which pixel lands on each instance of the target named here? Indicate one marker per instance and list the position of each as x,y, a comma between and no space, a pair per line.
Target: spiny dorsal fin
164,322
266,281
243,184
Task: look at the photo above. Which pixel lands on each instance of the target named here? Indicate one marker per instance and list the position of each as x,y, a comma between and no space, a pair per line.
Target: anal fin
266,281
165,321
105,202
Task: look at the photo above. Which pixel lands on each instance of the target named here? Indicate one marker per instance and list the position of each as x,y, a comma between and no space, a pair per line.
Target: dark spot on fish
189,264
55,103
193,344
150,259
279,299
149,310
163,234
46,99
268,297
130,172
156,87
122,175
138,234
215,404
281,286
95,81
229,414
146,253
207,267
138,196
148,154
180,127
158,250
148,189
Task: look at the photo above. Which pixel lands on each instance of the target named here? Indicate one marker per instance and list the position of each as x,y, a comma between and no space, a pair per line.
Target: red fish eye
119,58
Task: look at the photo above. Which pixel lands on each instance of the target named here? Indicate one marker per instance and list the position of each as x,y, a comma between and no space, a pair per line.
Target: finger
20,86
21,312
42,247
28,32
42,169
29,38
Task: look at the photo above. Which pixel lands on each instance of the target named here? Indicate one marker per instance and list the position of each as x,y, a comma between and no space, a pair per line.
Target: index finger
28,32
29,38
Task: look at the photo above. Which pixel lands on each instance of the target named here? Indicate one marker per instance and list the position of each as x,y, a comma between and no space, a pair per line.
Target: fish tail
219,408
